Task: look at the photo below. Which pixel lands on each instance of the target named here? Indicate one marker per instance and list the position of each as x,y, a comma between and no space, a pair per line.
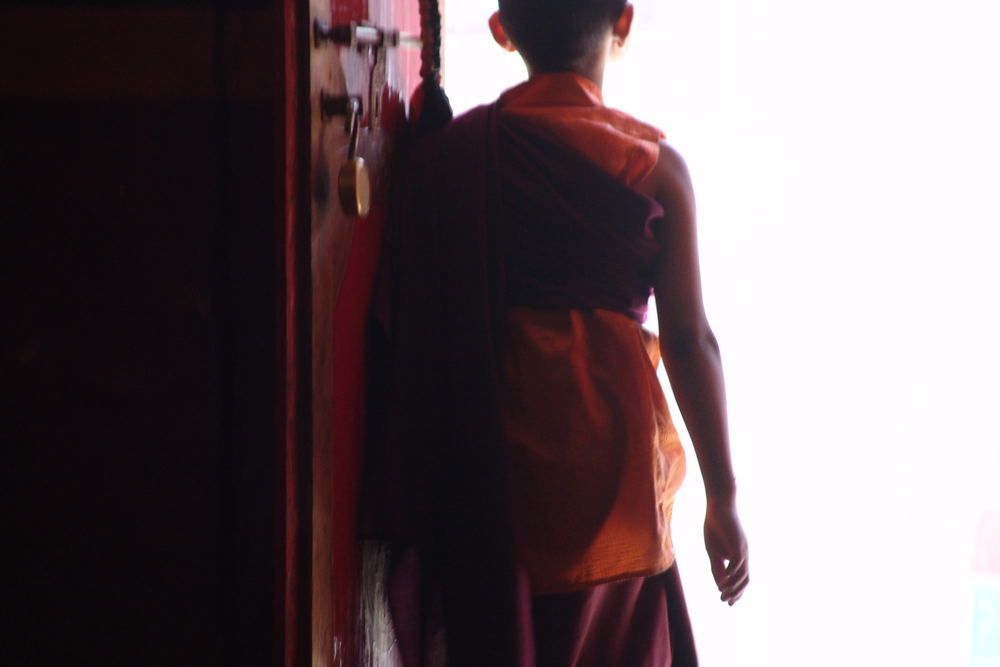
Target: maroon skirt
633,623
639,622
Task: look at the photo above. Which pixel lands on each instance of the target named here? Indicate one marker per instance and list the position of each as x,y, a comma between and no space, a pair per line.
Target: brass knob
354,187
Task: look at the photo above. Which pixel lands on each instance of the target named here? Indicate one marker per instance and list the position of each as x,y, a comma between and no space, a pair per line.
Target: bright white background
846,159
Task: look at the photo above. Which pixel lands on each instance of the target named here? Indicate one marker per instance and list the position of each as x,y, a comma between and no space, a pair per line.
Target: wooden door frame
294,557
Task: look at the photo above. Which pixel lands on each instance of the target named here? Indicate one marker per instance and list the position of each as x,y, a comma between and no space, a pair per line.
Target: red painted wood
345,11
349,350
350,321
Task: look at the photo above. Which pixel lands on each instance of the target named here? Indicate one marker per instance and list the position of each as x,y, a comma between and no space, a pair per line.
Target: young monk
530,462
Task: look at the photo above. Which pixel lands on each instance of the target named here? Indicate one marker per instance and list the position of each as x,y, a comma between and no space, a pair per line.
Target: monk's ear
623,25
499,34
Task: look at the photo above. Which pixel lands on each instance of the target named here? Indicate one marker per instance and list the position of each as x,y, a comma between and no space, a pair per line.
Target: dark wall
139,282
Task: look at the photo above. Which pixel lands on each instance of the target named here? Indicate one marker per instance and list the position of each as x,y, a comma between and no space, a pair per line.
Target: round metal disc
354,187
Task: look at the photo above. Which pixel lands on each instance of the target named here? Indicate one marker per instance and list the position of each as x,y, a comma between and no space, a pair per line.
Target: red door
345,92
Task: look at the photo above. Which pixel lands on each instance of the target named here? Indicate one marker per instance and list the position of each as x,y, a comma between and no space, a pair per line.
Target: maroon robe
482,205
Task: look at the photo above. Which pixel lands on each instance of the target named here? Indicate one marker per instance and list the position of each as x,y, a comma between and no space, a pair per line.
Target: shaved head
552,35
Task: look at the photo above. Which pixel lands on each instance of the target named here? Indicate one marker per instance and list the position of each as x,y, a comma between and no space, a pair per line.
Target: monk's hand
727,550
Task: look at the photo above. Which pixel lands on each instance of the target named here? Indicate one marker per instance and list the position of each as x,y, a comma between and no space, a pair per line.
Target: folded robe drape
435,479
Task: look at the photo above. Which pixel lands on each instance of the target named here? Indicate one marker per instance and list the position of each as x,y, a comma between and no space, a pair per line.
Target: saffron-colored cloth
595,460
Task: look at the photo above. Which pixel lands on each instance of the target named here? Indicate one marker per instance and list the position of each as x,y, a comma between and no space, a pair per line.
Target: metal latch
361,35
348,106
353,183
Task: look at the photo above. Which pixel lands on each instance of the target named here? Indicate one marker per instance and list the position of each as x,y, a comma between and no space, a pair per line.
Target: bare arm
691,355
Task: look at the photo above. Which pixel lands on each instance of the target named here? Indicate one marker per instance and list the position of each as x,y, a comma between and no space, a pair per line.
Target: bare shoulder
669,182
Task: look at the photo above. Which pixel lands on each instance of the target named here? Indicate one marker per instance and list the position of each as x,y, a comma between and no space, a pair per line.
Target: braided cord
430,34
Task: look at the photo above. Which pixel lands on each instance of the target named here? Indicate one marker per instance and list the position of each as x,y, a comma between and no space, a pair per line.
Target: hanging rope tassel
430,106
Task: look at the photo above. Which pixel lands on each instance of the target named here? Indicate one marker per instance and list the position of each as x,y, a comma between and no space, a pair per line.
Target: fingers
727,551
733,583
732,578
732,571
718,565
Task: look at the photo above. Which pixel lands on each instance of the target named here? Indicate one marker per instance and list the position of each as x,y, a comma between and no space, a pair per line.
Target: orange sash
594,458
